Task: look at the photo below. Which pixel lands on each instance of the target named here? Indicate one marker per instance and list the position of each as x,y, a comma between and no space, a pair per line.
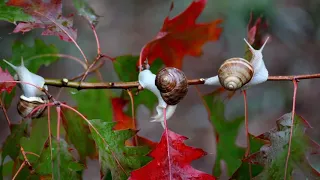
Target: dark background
127,25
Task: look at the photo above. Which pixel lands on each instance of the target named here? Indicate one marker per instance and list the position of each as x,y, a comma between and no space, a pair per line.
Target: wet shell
27,104
172,84
235,73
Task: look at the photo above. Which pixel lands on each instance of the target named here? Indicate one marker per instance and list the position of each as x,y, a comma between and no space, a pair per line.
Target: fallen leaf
6,86
176,163
46,15
181,36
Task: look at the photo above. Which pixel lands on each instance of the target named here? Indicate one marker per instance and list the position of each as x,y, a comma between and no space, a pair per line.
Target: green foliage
227,132
85,10
94,104
113,154
126,68
78,134
60,164
12,14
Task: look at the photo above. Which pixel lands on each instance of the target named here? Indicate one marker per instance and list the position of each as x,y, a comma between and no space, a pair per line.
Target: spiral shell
235,73
172,84
27,104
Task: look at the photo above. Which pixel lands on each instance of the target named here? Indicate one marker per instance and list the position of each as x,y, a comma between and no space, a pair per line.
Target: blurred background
125,26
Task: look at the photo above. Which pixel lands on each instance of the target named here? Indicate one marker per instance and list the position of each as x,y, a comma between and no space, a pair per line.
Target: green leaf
126,68
7,168
78,134
113,154
33,56
85,10
243,171
94,104
38,137
61,164
7,98
12,14
11,146
226,132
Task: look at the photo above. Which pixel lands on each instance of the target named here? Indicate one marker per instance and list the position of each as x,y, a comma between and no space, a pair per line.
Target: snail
172,84
31,96
238,73
169,85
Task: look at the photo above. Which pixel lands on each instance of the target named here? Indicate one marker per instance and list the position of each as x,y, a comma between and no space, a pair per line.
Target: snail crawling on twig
238,73
170,85
31,96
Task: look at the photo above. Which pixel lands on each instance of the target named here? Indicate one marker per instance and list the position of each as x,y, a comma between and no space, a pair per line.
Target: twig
20,168
85,74
295,87
247,128
5,112
75,43
135,84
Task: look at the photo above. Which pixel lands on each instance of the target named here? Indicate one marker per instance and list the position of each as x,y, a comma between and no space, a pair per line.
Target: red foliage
181,36
46,15
175,163
123,121
256,34
6,86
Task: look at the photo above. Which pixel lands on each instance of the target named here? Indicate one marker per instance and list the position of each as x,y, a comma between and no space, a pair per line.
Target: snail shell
172,84
235,73
27,104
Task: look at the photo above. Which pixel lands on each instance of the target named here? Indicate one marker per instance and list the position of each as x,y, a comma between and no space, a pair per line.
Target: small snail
172,84
238,73
32,97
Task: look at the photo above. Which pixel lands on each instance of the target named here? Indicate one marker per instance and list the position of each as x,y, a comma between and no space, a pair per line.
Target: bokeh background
125,26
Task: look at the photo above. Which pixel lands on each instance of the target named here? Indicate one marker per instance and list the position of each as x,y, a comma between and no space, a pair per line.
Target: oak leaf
6,86
181,36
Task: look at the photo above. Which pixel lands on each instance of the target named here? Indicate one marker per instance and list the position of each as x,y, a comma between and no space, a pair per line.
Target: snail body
172,84
32,96
238,73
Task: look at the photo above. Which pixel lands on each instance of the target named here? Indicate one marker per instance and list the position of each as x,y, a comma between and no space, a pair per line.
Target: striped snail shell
172,84
26,105
235,73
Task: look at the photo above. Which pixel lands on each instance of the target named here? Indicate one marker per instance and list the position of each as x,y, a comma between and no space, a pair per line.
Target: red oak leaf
176,163
6,86
46,15
181,36
123,121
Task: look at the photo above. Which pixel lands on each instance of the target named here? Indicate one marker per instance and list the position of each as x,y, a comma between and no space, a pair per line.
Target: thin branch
61,56
90,67
247,128
295,87
96,37
5,112
20,168
292,77
75,43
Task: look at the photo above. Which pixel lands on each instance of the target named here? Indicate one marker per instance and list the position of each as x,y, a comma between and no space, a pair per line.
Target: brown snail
26,107
238,73
32,96
235,73
172,84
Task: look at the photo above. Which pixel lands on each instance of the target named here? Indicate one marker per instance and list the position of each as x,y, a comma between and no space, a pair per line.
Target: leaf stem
168,143
247,128
295,87
5,112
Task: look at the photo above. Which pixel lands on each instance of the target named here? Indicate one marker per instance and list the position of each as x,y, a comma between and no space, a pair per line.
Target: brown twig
295,87
135,84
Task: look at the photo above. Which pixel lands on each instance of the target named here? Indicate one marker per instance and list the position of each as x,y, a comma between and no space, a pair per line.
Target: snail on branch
170,85
238,73
31,96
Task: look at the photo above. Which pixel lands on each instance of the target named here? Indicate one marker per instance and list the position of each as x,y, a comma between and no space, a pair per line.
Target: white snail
31,96
238,73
